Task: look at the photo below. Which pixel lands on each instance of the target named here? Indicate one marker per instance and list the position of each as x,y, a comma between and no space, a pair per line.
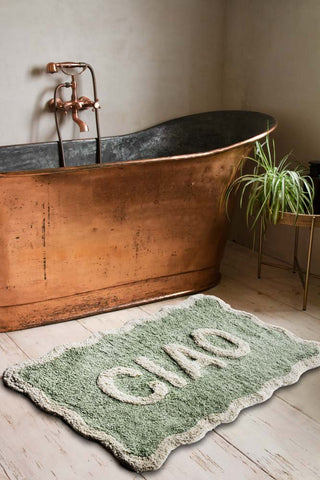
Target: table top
300,220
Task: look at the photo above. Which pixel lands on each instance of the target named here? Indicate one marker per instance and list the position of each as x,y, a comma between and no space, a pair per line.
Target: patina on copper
83,240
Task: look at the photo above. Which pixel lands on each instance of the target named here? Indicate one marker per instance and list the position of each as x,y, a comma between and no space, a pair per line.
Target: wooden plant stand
297,221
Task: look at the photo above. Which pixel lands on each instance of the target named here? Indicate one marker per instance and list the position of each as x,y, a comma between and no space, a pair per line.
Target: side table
297,221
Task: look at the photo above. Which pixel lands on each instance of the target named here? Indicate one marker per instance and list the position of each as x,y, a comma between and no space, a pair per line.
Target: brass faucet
75,104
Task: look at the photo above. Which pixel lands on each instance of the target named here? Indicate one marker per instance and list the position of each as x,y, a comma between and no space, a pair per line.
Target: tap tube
95,110
61,149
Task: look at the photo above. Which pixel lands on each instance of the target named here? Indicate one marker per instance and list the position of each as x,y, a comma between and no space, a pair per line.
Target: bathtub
144,225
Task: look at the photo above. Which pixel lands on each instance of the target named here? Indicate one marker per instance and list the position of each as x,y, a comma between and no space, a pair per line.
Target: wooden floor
279,439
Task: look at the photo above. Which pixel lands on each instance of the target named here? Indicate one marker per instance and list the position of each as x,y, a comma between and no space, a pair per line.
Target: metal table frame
297,221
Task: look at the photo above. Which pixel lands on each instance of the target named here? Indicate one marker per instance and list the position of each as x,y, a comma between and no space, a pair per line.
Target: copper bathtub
145,225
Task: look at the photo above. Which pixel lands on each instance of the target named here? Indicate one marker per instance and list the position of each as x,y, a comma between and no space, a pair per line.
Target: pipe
83,126
74,102
96,100
55,99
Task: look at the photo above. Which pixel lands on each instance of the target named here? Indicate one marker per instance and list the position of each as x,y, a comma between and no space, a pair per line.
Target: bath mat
165,381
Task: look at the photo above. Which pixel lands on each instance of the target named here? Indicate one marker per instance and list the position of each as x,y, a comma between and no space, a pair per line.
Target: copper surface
75,104
85,240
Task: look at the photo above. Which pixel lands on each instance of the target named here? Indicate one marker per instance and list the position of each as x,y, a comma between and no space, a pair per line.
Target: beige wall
154,60
272,64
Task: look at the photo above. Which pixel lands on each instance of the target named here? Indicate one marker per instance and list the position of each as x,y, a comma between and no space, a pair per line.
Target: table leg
260,247
295,252
306,286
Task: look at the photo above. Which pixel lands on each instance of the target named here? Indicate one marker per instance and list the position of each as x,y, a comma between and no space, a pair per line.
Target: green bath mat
165,381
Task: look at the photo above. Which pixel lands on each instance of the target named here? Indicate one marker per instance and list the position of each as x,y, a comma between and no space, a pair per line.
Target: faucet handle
60,104
85,102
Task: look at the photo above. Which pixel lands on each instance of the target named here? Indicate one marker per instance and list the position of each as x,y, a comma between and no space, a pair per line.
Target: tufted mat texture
164,381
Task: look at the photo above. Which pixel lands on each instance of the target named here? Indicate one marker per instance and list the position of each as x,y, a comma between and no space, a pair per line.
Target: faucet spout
82,125
75,106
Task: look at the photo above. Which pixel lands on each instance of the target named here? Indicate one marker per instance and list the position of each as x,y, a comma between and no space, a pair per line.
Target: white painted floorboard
279,439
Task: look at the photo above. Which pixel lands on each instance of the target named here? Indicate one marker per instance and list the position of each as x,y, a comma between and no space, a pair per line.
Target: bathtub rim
197,155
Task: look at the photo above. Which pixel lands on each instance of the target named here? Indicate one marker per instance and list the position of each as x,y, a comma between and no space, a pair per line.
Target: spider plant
272,188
